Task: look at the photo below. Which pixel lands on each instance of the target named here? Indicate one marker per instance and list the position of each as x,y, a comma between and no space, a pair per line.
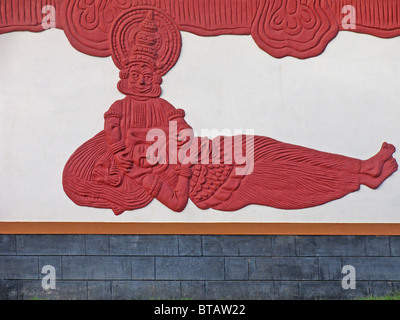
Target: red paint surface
298,28
112,171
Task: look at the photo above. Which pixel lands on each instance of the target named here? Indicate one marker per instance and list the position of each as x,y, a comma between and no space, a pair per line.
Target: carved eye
134,75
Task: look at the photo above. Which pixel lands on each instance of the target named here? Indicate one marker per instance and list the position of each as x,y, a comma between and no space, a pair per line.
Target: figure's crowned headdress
145,42
145,34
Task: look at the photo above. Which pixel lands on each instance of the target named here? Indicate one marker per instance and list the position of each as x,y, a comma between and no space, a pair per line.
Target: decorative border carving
298,28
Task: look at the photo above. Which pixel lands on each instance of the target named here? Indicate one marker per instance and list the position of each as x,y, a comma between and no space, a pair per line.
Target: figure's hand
185,170
148,182
123,161
187,165
152,184
114,180
184,136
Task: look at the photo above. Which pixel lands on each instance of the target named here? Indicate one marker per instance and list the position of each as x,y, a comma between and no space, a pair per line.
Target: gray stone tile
330,268
8,290
375,268
14,267
189,268
96,268
237,268
381,288
333,246
145,290
331,290
239,290
54,261
99,290
65,290
395,246
198,267
295,268
283,246
286,290
193,290
260,268
396,287
7,245
377,246
143,268
237,246
161,245
51,245
283,268
190,245
97,245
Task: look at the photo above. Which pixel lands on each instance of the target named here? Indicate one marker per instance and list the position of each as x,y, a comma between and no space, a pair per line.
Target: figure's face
140,156
101,170
142,79
104,173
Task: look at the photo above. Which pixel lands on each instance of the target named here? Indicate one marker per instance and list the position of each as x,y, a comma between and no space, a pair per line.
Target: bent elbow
179,206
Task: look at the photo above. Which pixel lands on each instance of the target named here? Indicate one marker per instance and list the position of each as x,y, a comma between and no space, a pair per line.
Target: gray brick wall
197,267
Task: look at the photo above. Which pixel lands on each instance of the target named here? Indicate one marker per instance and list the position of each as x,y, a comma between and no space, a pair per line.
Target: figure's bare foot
374,166
389,167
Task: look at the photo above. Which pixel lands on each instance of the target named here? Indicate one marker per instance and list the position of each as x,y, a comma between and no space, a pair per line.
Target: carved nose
141,80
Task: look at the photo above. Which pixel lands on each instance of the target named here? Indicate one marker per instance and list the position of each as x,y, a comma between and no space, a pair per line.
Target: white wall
52,99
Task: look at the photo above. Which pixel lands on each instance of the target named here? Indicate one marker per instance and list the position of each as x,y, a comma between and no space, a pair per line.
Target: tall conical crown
146,41
145,34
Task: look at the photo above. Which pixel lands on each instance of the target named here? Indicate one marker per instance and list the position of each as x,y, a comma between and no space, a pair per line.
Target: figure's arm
114,136
174,198
184,130
178,115
112,128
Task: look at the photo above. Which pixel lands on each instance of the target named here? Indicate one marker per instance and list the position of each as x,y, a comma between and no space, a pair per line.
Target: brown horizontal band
377,229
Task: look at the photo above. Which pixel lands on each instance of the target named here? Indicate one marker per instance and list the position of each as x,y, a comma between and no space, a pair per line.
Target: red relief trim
23,15
377,18
298,28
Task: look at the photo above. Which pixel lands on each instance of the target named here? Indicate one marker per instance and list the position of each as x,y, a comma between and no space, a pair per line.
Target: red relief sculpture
294,28
298,28
147,150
